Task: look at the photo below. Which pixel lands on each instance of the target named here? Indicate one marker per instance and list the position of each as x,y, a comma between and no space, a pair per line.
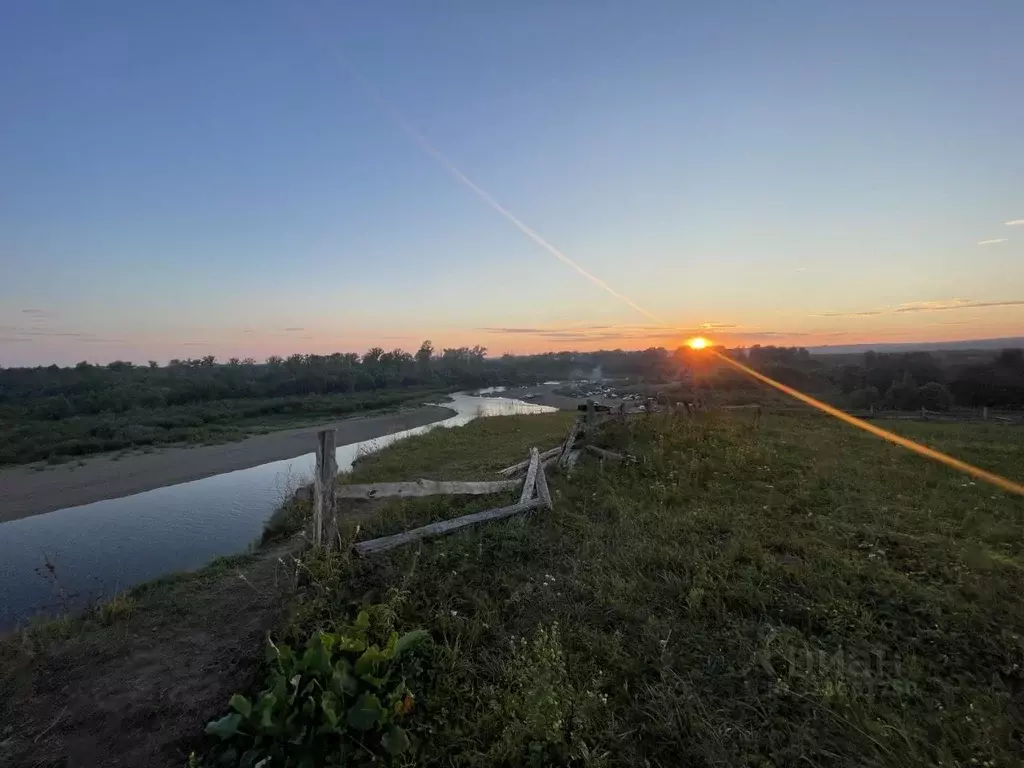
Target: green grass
798,593
473,452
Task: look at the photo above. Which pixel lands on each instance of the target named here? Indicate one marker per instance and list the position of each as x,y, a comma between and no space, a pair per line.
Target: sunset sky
246,179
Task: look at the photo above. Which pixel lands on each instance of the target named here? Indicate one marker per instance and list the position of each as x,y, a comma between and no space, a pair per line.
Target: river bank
27,491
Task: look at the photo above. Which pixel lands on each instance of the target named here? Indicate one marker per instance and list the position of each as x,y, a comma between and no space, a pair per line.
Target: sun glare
698,342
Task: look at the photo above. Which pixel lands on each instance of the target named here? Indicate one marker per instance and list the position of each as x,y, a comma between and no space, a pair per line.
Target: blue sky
234,178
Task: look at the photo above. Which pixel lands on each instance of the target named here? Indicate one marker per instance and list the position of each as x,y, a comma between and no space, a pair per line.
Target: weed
341,700
116,608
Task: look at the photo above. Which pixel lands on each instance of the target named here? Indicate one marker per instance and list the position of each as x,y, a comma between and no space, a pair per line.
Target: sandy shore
24,491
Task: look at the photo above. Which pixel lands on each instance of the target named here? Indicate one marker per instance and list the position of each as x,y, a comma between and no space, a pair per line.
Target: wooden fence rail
445,526
416,488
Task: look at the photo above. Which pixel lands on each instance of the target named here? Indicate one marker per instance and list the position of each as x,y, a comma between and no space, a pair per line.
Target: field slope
790,593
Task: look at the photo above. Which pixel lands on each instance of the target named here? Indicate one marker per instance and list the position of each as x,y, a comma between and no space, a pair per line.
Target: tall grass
796,593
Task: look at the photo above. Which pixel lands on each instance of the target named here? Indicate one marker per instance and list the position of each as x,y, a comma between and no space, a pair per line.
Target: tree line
53,411
901,380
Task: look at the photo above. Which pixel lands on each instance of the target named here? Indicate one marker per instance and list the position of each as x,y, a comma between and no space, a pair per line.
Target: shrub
120,606
902,395
934,397
865,397
337,703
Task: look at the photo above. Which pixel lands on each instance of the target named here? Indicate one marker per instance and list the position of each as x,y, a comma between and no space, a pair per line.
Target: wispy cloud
293,330
33,312
870,313
38,334
599,332
992,241
800,269
932,306
1014,222
938,306
717,326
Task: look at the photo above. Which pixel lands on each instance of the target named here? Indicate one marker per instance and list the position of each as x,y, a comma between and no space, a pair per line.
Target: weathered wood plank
531,477
603,453
543,492
570,440
445,526
324,506
573,459
424,488
520,466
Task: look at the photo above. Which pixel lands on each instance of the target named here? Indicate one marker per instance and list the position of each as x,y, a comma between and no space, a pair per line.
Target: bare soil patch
139,691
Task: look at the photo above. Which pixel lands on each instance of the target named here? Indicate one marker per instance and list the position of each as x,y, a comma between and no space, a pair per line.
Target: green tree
902,395
865,397
424,356
934,397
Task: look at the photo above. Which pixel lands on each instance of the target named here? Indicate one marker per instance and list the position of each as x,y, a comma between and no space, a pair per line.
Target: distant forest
55,412
903,381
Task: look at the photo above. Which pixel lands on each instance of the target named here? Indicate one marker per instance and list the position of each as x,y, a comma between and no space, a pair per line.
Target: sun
698,342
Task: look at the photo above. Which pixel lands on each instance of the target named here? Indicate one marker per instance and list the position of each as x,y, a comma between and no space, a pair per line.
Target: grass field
793,593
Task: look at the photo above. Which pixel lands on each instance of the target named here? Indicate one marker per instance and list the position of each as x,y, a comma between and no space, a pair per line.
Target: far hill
913,346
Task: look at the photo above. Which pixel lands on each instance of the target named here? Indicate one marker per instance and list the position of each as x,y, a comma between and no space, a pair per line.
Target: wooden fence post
591,413
324,504
529,484
984,413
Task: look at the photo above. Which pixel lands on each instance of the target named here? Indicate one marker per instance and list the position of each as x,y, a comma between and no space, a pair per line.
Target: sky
247,179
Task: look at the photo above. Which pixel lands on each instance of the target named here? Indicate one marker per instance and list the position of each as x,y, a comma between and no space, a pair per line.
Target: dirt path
25,491
140,691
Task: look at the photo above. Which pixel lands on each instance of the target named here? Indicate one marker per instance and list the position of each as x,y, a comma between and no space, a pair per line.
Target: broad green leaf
280,688
343,682
226,727
241,705
351,643
395,741
282,654
376,682
365,714
410,640
365,663
266,708
327,640
362,620
316,658
328,705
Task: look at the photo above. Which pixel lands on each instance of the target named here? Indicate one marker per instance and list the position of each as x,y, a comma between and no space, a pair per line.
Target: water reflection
99,548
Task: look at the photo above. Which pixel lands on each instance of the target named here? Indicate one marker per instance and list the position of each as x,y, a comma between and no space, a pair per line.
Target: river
62,560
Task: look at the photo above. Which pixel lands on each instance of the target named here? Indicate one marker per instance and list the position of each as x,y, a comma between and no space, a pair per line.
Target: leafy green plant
338,702
543,712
